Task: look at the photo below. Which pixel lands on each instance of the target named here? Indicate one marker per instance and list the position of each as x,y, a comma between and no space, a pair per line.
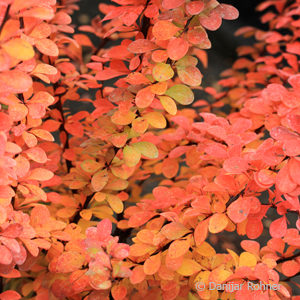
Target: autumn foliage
150,190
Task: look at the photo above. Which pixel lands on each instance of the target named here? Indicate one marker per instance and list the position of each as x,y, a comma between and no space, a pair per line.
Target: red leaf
177,48
10,295
239,210
6,256
278,228
170,4
141,46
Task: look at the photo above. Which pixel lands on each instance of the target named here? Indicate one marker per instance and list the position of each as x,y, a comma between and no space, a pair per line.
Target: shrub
141,194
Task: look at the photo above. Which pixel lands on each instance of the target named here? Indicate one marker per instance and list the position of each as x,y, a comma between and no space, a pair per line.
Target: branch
283,259
233,198
58,105
76,218
6,16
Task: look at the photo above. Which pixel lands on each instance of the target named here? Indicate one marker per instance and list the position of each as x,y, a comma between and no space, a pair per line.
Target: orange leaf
290,268
99,180
200,232
115,203
40,174
47,47
152,264
131,156
37,154
164,30
174,231
144,98
177,48
5,121
137,275
15,81
179,248
118,292
68,262
217,223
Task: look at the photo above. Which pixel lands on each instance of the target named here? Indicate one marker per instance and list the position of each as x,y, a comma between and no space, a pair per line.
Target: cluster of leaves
211,170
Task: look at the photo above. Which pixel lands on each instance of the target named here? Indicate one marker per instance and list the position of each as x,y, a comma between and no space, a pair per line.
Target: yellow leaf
19,49
234,256
131,156
162,72
247,260
146,148
156,119
168,104
188,267
115,203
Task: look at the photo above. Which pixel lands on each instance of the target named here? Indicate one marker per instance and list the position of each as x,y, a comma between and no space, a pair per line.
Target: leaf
156,119
247,260
159,88
170,167
99,180
174,231
141,46
178,248
37,154
177,48
146,148
115,203
190,75
181,93
290,268
5,121
19,49
68,262
90,166
217,223
162,72
206,250
152,264
140,125
189,267
43,134
283,181
200,233
10,295
278,228
235,165
121,118
164,30
227,12
170,4
144,98
118,292
194,7
47,47
40,174
238,210
6,256
131,156
15,81
168,104
137,275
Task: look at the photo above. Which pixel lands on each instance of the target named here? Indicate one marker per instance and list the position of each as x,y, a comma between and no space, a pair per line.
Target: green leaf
181,93
146,148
